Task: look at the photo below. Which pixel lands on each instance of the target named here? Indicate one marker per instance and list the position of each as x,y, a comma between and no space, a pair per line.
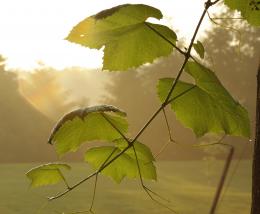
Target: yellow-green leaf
207,106
47,174
199,48
123,30
125,165
87,124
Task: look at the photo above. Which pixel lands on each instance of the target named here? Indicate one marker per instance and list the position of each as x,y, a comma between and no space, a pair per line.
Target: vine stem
94,193
149,191
170,140
146,189
227,28
187,55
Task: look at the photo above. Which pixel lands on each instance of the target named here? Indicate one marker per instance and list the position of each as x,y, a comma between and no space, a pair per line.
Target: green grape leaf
250,9
199,48
125,165
207,106
143,152
87,124
127,39
47,174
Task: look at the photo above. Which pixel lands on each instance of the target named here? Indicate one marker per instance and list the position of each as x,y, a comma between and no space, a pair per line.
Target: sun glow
33,31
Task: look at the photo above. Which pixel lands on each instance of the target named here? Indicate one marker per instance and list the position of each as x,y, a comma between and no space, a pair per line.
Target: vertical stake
222,180
255,206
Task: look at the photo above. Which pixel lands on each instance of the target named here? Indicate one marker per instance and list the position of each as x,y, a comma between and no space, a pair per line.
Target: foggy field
189,185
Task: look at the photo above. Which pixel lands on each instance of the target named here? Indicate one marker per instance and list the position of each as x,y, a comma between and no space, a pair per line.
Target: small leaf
207,107
125,165
87,124
47,174
250,9
199,48
128,41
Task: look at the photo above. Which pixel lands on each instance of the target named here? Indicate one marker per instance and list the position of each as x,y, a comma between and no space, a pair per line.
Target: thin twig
170,140
168,126
227,28
64,179
138,165
167,122
149,191
165,38
115,127
187,55
82,181
181,94
94,193
227,18
170,42
72,187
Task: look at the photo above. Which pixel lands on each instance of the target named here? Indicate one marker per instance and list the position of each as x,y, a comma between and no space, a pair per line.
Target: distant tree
43,90
23,130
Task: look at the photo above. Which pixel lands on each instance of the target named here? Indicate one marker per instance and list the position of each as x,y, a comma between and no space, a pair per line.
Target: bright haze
33,31
43,76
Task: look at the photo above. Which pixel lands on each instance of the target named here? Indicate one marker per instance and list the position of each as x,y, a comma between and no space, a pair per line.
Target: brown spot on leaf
109,12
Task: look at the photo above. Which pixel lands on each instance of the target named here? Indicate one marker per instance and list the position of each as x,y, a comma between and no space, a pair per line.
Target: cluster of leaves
92,124
130,41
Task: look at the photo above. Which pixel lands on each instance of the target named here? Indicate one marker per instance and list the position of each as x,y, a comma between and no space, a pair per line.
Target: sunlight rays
33,34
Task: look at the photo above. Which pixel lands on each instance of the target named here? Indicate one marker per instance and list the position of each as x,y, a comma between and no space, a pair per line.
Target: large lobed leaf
47,174
207,107
125,165
128,41
87,124
250,9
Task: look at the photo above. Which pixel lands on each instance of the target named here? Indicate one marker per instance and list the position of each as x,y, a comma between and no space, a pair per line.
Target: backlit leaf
123,30
199,48
125,165
47,174
87,124
250,9
143,152
207,107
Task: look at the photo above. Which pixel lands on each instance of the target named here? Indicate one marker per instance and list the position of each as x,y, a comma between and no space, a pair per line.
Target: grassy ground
189,185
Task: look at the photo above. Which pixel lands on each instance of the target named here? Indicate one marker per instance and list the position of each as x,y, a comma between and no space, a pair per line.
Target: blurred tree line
23,129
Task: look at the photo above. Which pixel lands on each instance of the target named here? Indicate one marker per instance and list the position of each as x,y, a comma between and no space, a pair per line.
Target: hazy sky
32,31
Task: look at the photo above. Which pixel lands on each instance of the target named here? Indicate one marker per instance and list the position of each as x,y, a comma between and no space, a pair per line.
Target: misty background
32,102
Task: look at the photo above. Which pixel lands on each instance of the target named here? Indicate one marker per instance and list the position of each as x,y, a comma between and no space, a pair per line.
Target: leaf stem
148,190
164,38
64,179
187,54
94,193
82,181
179,95
114,126
170,140
167,40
